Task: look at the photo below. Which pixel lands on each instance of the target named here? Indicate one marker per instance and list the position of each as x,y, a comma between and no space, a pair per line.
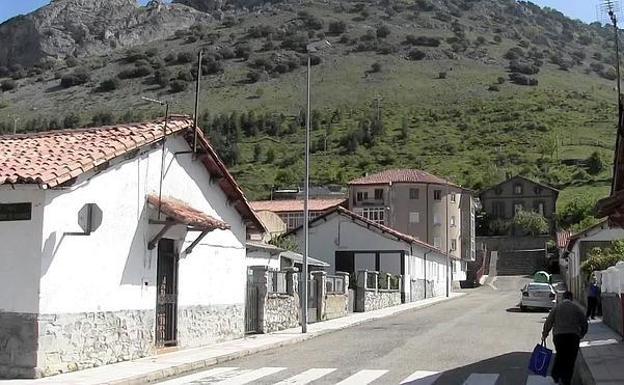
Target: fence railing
335,284
379,281
277,282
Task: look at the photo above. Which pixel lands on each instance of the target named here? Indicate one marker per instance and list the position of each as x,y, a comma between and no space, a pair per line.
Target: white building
351,243
95,268
276,258
580,245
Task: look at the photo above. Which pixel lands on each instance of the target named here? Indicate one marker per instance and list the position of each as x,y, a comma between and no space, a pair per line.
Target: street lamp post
310,48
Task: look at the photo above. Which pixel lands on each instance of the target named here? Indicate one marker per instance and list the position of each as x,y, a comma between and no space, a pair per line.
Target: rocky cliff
87,27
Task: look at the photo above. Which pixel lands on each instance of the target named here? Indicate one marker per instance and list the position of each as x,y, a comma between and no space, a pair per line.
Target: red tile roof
401,176
50,159
181,212
294,205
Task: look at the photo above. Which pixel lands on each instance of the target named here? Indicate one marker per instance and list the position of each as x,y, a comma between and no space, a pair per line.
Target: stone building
116,242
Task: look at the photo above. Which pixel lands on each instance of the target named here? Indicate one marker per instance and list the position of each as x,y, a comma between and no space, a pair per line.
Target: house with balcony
421,205
290,211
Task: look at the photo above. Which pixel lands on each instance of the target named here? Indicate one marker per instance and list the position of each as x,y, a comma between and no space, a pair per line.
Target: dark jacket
566,318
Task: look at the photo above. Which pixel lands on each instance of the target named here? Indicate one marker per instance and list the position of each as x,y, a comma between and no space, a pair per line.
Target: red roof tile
293,205
401,176
181,212
52,158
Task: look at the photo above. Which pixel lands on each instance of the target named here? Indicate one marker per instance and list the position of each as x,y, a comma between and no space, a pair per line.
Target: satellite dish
89,218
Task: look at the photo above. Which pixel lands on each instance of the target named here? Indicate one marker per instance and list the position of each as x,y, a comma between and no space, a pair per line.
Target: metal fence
335,284
277,282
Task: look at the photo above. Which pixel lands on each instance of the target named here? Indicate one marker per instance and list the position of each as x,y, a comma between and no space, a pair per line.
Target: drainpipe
425,270
447,247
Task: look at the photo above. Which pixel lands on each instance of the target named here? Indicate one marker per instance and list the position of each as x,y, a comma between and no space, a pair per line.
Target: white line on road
539,380
246,378
481,379
363,377
197,376
307,376
421,377
491,284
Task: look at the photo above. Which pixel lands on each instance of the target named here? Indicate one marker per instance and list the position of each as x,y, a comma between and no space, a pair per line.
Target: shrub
609,74
523,68
71,61
170,58
337,27
375,67
162,77
254,76
442,75
494,88
4,71
498,39
78,77
603,258
71,121
136,72
227,53
242,51
102,118
185,57
500,80
185,76
151,52
514,53
311,22
422,41
595,163
383,31
134,55
416,54
522,79
576,211
531,223
178,86
109,85
8,85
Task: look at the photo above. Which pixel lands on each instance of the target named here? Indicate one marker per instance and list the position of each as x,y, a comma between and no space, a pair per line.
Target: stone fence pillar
345,277
321,292
292,286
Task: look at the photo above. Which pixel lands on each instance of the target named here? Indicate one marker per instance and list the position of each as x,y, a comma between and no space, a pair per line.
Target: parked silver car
538,295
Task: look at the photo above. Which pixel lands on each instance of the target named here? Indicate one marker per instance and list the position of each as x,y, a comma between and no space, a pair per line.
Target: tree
242,51
603,258
109,85
286,242
383,31
270,155
576,211
78,77
178,86
71,121
257,152
531,223
595,164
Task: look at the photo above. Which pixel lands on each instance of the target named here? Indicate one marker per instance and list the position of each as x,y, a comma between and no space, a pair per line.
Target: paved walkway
162,366
602,353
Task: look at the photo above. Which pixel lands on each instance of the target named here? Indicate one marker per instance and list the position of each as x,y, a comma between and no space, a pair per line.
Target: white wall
112,269
20,253
263,258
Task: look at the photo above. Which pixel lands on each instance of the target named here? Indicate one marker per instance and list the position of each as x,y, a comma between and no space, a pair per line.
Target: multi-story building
505,199
419,204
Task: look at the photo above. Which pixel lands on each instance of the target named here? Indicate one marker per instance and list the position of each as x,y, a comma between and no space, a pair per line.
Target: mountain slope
430,84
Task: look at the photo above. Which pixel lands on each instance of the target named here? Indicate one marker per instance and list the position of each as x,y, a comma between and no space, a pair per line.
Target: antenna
164,139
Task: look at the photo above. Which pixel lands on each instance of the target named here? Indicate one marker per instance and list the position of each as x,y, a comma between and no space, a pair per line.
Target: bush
103,118
109,85
8,85
514,53
242,51
498,39
178,86
523,68
609,74
71,121
337,27
185,57
4,71
522,80
383,31
78,77
185,76
71,61
442,75
416,54
227,53
134,55
254,76
170,58
494,88
531,223
500,80
375,67
422,41
595,163
136,72
603,258
576,211
162,77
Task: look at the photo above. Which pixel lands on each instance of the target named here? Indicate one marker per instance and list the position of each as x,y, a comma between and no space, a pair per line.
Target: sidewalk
159,367
601,357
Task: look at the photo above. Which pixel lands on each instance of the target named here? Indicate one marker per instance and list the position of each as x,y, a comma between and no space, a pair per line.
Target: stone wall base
281,311
18,345
612,312
207,324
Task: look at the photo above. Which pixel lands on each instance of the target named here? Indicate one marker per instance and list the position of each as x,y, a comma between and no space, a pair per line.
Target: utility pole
15,120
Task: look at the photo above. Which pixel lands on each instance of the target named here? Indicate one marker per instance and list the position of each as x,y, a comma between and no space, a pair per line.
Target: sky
577,9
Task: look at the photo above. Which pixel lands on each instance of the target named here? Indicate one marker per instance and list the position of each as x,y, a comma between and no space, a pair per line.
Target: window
375,214
293,220
414,217
517,207
436,242
453,221
518,189
539,207
498,209
453,244
414,193
437,195
379,194
436,219
453,197
362,196
15,212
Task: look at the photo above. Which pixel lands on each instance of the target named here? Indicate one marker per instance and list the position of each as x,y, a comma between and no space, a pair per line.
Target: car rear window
539,288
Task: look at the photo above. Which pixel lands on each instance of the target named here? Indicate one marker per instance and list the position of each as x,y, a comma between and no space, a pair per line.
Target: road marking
363,377
481,379
246,378
421,377
307,376
539,380
197,376
491,284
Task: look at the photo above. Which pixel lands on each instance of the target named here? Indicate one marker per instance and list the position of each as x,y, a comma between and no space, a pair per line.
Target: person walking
593,295
569,325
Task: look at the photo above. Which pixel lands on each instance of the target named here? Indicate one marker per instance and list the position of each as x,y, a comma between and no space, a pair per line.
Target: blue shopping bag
540,360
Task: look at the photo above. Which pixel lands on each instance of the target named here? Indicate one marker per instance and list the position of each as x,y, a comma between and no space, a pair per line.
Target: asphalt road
478,339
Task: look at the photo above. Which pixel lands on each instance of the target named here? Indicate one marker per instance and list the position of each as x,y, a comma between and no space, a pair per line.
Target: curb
195,366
